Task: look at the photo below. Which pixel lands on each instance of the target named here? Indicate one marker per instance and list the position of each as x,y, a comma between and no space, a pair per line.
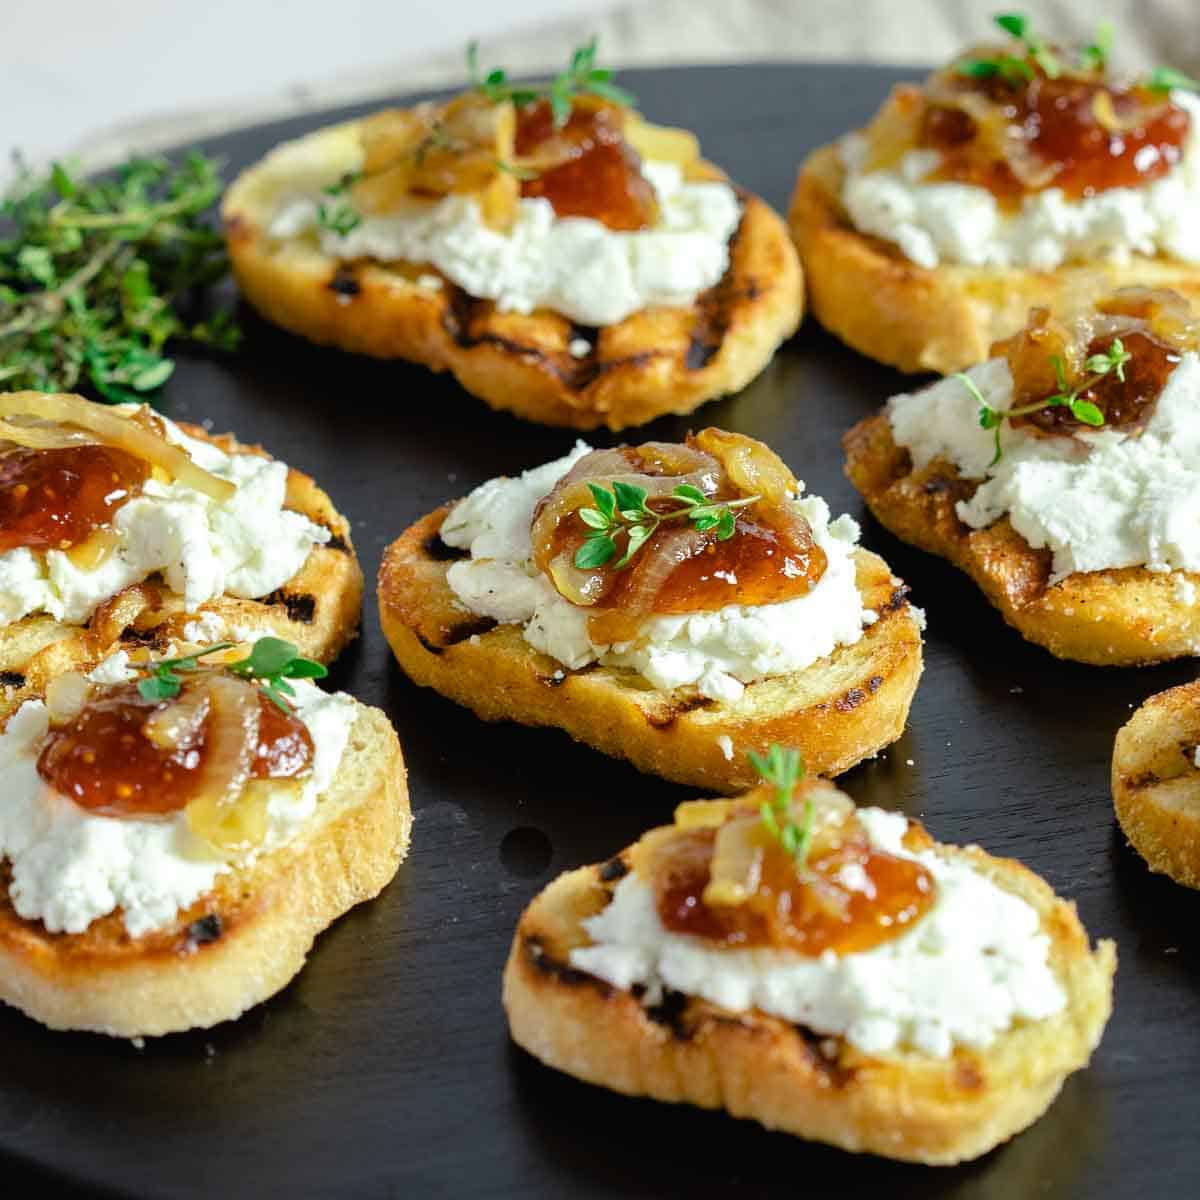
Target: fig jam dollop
596,173
104,761
849,897
55,499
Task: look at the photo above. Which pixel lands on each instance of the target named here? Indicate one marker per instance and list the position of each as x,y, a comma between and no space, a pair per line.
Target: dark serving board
386,1068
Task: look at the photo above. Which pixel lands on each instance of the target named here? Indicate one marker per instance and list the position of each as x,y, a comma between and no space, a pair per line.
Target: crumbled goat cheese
579,347
246,546
70,866
573,265
1102,499
725,742
716,652
945,222
972,966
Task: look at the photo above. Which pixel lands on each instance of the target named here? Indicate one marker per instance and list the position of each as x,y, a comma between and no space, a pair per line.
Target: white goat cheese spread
717,652
70,867
973,965
947,222
245,546
573,265
1101,499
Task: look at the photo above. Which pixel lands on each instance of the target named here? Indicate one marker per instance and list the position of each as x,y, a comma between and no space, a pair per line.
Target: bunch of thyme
783,769
97,276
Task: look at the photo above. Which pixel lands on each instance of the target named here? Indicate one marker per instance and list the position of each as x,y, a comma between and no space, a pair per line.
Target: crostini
174,833
566,260
1014,177
673,605
826,971
116,524
1061,475
1156,782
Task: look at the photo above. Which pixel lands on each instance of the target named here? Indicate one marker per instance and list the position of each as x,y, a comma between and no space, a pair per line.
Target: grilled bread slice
1121,617
658,361
239,944
877,301
902,1104
317,609
838,711
1156,782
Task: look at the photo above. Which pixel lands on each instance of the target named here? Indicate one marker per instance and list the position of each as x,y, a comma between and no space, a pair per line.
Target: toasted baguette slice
901,1104
1156,782
1122,617
317,609
839,711
239,944
658,361
876,300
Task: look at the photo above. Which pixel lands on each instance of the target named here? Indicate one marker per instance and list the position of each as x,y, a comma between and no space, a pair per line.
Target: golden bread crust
659,361
241,943
839,711
1123,617
902,1104
1156,782
870,295
317,609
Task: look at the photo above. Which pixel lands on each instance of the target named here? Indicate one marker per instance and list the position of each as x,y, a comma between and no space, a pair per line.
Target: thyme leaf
783,769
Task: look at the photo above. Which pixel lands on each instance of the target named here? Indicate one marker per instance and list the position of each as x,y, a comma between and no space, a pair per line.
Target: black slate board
386,1069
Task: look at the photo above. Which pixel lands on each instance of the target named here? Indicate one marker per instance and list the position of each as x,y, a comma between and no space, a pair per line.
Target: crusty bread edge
902,1105
868,294
499,676
348,857
1156,783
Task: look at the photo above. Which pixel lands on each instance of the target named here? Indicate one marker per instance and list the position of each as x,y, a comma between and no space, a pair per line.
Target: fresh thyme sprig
1097,366
783,769
625,510
340,216
1014,69
271,663
1095,56
95,276
1167,79
582,77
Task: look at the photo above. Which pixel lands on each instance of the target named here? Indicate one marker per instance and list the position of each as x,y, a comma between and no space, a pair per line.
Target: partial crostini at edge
1062,475
566,260
175,833
1013,177
673,605
1156,782
830,972
118,525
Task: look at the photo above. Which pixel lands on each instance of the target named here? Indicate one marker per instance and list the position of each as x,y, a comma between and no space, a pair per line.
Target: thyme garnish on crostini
1015,69
339,216
582,77
95,276
1098,366
625,510
783,769
271,663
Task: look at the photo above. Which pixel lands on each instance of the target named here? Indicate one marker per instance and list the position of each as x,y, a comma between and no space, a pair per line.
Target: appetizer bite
1156,782
118,524
1062,475
564,258
174,833
826,971
673,605
1011,178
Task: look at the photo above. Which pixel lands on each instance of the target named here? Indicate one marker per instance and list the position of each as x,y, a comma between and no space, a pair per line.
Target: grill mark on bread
152,639
664,720
439,551
874,683
345,282
850,701
336,542
560,972
671,1012
715,308
12,679
896,600
301,606
616,868
817,1049
467,630
204,931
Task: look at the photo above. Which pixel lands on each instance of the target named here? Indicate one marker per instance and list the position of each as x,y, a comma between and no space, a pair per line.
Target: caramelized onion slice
178,723
737,862
43,435
66,696
230,743
114,430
